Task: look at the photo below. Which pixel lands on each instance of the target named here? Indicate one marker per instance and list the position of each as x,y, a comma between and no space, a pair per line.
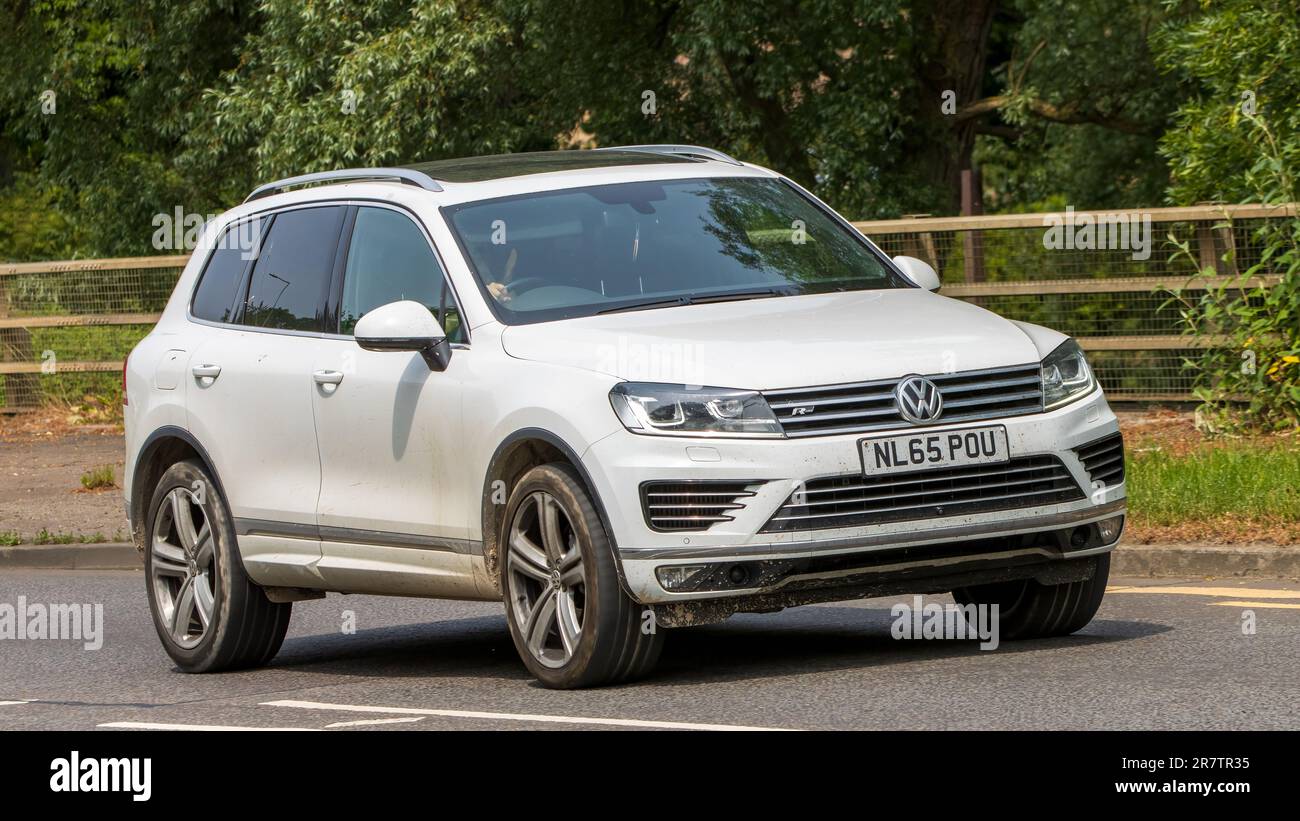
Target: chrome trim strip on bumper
963,532
946,561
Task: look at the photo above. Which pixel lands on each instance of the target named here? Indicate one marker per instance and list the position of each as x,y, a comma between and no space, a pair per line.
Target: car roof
501,166
469,178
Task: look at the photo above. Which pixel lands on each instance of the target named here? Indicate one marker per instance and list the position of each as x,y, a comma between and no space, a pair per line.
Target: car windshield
639,245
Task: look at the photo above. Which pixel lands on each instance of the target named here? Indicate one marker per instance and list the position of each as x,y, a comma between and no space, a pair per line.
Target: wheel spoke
168,559
548,512
184,519
184,609
566,616
539,621
204,603
531,561
203,546
573,576
572,554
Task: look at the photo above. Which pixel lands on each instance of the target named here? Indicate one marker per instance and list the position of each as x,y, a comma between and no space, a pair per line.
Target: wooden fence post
21,389
972,204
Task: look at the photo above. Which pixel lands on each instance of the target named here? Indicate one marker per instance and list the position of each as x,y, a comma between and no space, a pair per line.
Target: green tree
1237,139
877,105
1080,103
125,78
336,83
1242,58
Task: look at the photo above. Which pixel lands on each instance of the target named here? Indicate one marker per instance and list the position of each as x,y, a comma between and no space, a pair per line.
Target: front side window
584,251
389,259
291,277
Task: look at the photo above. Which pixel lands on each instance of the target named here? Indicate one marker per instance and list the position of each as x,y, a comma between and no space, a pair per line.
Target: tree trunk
949,52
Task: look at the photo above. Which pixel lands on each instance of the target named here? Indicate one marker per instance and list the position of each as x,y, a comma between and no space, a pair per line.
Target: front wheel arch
516,455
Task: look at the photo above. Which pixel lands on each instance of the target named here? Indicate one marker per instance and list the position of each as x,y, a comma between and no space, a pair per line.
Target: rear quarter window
215,299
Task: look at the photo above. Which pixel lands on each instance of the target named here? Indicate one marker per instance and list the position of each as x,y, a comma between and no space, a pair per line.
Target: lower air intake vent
852,500
676,506
1104,459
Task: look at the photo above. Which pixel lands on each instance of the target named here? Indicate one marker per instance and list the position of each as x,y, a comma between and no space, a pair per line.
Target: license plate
922,451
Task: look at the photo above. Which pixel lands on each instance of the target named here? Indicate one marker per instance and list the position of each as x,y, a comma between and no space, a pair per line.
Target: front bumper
618,464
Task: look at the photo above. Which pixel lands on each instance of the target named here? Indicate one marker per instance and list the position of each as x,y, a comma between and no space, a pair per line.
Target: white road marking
154,725
1253,604
546,719
12,703
1220,592
365,722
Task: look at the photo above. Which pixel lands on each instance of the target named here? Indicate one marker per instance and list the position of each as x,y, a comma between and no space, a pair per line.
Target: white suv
623,390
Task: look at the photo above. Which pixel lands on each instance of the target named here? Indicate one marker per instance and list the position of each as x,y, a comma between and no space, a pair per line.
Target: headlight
1066,375
679,410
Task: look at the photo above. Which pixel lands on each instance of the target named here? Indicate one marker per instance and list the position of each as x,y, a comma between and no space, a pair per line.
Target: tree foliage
1237,139
126,79
877,105
1236,136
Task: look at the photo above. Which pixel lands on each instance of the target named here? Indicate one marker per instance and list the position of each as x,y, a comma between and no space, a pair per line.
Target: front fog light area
1110,529
692,578
676,578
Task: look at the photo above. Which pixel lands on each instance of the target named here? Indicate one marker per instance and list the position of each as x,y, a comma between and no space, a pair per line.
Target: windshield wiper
696,300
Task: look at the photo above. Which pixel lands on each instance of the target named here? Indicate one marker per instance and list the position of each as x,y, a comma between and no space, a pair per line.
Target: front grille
864,406
676,506
1104,459
854,499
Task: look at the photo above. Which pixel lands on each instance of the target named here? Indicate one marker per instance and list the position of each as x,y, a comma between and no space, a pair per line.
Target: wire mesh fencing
1104,278
65,327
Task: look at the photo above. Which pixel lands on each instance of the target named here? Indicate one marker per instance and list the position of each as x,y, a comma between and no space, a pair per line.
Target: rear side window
215,299
291,277
390,259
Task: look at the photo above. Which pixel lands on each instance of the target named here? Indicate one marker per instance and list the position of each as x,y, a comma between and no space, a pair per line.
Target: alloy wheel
183,567
547,582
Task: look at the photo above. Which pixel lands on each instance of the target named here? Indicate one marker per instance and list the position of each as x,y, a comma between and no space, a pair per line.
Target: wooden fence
55,317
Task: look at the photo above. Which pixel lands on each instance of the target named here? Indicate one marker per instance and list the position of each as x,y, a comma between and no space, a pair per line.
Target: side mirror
405,326
919,271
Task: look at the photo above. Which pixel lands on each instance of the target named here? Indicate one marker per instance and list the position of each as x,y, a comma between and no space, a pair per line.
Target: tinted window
214,300
584,251
292,273
390,259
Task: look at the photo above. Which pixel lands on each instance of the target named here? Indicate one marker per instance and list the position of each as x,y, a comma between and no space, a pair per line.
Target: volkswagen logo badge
918,400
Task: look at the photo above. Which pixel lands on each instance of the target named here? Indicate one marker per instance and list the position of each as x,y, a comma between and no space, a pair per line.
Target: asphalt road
1160,655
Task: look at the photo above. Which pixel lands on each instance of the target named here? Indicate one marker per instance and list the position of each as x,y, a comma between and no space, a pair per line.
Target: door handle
206,371
327,377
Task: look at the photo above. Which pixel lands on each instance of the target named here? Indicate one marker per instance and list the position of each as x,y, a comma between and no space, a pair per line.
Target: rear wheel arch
163,448
518,453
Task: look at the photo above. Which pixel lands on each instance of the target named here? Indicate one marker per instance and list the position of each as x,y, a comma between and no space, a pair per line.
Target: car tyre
208,614
1028,609
569,618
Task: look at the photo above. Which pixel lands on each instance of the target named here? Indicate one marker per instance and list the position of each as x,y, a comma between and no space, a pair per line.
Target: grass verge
1184,487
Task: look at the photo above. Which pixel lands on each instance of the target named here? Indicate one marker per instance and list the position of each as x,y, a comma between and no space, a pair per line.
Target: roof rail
678,150
405,175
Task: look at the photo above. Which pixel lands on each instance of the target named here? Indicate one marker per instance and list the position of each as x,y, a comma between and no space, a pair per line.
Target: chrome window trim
360,203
